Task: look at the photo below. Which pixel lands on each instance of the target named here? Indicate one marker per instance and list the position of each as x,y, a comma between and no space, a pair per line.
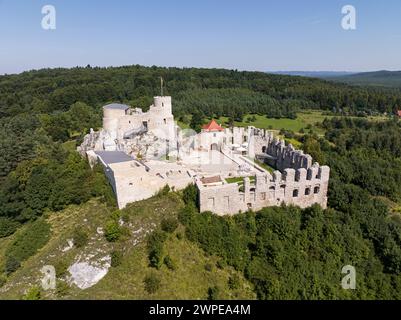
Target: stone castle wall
297,181
301,187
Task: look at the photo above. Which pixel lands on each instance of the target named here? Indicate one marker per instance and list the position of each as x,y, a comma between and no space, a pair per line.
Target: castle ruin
235,169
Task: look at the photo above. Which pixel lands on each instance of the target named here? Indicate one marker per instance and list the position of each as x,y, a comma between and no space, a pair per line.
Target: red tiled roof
212,126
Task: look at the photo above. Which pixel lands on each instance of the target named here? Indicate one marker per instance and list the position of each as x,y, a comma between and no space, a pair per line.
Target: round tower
163,104
111,115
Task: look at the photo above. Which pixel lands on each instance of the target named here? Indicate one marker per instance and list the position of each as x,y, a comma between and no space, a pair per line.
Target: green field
311,118
303,120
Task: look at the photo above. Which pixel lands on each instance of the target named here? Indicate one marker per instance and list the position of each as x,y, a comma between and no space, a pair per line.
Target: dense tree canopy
285,252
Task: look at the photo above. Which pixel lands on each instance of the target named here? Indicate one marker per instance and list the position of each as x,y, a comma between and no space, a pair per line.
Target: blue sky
262,35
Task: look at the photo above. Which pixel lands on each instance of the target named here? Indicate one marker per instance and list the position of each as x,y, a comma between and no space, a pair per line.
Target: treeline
290,253
50,90
235,103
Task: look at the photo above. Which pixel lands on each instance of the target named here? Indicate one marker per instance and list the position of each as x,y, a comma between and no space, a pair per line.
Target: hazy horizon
266,36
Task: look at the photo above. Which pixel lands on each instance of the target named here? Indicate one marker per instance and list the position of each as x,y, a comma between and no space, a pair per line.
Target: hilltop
387,79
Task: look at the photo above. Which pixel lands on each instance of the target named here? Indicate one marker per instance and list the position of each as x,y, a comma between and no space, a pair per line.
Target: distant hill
315,74
383,78
378,78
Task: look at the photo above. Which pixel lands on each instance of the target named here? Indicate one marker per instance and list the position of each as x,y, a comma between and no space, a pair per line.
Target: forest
44,114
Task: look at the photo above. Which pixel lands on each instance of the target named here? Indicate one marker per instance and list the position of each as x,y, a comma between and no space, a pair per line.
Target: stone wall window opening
215,135
227,201
295,193
263,196
307,191
316,190
165,121
273,188
309,175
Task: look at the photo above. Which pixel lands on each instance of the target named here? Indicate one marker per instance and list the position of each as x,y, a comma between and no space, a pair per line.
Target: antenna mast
161,86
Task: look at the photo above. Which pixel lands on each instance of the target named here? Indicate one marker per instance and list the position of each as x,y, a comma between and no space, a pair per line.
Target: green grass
239,180
265,166
304,119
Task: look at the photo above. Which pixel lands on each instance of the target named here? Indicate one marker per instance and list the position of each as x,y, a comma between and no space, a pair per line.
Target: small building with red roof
212,126
212,136
399,113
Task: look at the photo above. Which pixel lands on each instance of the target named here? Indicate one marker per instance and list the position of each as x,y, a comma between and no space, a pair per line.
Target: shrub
190,195
11,265
80,238
28,242
234,282
61,267
208,267
213,293
62,288
125,217
221,264
169,225
7,227
3,281
152,283
116,258
33,294
169,263
156,248
112,231
164,191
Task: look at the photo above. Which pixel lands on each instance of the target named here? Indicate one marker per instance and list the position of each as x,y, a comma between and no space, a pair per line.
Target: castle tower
161,117
111,115
162,105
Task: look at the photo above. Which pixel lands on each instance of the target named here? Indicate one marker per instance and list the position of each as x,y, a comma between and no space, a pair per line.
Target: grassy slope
189,281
